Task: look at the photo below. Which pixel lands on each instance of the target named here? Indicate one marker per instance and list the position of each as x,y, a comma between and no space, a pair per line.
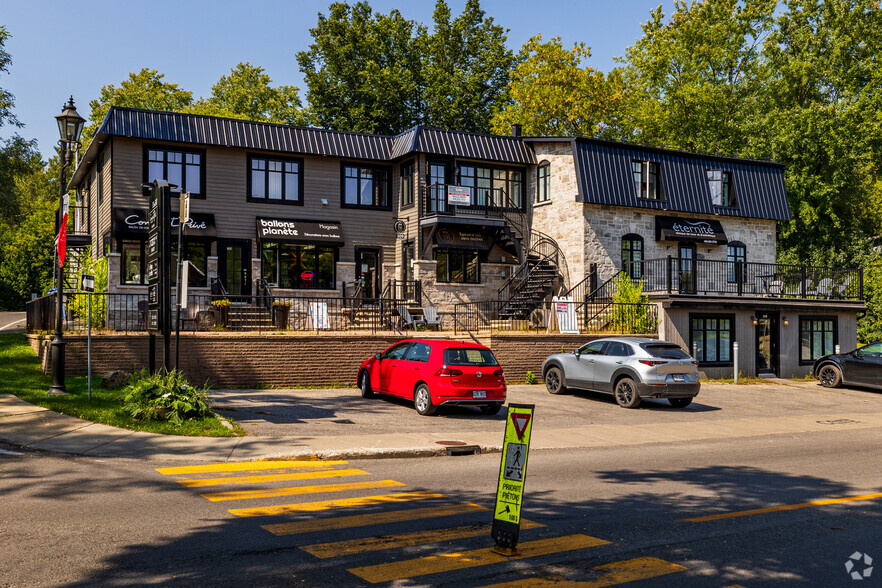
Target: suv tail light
695,361
448,372
652,362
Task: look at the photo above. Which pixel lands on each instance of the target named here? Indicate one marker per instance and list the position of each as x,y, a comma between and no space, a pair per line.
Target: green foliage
631,309
6,98
78,305
552,94
167,396
530,378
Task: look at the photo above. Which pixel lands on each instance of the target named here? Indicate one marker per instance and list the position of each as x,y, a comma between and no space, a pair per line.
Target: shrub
158,397
530,379
631,309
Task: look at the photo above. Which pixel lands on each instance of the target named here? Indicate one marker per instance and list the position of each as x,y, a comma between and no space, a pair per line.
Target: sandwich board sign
565,309
512,474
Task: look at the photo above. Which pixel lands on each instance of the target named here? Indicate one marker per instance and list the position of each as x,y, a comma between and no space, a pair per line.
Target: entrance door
766,343
687,268
367,271
234,266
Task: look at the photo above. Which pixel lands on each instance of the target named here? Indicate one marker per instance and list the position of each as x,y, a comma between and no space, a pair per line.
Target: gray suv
629,369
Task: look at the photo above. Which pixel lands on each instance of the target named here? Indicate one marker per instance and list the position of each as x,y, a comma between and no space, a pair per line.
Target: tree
362,70
465,69
552,94
7,100
144,89
248,93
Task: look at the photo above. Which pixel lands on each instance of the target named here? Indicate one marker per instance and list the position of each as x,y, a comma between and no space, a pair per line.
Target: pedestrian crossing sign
512,474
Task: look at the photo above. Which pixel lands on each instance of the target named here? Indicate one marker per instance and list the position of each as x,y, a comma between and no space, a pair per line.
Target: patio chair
407,319
775,288
188,316
824,288
430,317
840,290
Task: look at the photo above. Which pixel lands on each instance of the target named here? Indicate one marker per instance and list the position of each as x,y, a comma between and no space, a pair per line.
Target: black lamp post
70,127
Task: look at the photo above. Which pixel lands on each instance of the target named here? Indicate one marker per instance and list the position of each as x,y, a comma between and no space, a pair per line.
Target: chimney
516,130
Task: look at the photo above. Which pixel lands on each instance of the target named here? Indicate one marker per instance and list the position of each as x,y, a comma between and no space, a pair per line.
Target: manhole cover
448,443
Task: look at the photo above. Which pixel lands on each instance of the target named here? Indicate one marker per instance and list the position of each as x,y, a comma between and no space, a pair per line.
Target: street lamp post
70,127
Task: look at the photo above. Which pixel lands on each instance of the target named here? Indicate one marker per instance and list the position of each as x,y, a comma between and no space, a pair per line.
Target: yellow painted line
364,520
620,572
435,564
272,478
329,504
744,513
246,466
273,492
349,547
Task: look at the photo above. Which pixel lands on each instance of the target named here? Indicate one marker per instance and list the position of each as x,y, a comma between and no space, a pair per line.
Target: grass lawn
21,376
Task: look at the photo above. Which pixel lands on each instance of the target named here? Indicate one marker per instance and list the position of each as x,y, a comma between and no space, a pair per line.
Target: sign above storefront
278,229
447,237
135,222
672,228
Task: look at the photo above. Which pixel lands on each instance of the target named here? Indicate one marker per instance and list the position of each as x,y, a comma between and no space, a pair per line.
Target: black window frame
646,169
834,332
409,181
543,182
277,159
464,265
634,271
735,261
185,151
479,199
193,280
692,330
120,241
727,189
387,170
276,280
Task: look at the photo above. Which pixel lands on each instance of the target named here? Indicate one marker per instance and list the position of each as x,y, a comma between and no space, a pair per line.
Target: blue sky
194,42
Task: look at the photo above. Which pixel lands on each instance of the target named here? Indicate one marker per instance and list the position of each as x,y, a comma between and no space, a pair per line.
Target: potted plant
281,309
221,311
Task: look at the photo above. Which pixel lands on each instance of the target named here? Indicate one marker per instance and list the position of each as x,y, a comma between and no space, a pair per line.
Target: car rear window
469,356
666,351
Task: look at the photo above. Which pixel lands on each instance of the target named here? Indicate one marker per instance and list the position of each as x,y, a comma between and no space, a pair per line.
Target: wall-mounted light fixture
324,201
754,320
786,320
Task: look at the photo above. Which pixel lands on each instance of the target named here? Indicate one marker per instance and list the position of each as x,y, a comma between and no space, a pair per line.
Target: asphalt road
12,321
606,514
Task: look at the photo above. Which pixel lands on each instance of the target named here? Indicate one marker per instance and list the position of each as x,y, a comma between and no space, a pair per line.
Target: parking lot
342,411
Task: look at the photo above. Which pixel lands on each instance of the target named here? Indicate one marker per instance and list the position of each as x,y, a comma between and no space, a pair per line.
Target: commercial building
484,224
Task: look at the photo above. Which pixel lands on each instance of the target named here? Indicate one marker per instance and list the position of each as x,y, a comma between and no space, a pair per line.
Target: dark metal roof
420,139
604,172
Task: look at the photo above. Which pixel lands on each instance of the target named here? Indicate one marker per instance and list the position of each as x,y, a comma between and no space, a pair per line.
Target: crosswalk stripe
263,511
272,478
611,574
247,466
380,518
435,564
273,492
352,546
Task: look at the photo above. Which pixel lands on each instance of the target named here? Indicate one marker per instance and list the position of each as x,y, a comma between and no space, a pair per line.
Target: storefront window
711,338
299,267
196,252
459,266
132,270
818,338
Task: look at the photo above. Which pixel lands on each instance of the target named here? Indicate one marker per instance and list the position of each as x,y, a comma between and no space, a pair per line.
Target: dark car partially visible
861,367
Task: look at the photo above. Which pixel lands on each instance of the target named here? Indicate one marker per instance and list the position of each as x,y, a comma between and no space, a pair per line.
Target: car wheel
365,385
830,376
491,409
422,401
554,381
626,393
680,402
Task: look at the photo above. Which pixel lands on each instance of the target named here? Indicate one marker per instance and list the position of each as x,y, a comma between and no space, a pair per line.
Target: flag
62,240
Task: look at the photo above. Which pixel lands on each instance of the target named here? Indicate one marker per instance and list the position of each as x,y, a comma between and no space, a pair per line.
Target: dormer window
646,179
720,183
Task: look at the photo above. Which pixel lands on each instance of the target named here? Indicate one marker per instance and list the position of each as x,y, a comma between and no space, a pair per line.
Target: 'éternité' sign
669,228
276,229
133,221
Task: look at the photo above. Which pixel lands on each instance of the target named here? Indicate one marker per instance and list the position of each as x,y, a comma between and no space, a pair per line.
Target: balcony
703,277
467,202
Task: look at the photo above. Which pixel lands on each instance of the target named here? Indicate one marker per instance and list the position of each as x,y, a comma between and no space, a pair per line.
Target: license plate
679,378
479,394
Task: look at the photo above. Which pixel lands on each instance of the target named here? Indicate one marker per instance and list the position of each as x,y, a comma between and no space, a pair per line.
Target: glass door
234,266
686,254
367,271
766,343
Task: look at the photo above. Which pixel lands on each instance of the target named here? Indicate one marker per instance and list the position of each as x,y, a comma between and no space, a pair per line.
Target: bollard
735,359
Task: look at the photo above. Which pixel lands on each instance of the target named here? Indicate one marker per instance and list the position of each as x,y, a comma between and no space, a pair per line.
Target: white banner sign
459,195
565,310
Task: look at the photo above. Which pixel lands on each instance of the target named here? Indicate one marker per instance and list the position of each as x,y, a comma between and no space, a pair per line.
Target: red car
436,372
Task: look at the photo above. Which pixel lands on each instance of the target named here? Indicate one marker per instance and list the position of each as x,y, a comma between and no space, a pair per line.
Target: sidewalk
34,427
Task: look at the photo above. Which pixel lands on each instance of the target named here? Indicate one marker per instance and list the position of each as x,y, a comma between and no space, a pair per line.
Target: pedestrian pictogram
512,474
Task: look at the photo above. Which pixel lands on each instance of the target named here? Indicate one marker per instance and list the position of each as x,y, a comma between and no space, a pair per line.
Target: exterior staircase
532,283
246,317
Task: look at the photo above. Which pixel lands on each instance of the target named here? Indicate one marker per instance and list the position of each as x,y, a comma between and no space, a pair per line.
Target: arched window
736,256
543,182
632,251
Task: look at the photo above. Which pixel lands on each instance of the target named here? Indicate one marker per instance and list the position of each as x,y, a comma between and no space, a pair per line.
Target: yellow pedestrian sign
512,474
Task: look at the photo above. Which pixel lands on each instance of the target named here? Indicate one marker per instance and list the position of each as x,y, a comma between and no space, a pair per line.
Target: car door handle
619,362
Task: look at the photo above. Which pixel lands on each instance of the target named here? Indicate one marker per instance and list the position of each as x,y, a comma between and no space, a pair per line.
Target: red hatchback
436,372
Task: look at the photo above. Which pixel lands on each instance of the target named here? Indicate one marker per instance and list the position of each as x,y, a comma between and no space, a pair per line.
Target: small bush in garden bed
164,396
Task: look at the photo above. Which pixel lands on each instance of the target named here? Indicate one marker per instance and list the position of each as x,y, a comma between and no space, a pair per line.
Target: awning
132,222
672,228
453,238
295,231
